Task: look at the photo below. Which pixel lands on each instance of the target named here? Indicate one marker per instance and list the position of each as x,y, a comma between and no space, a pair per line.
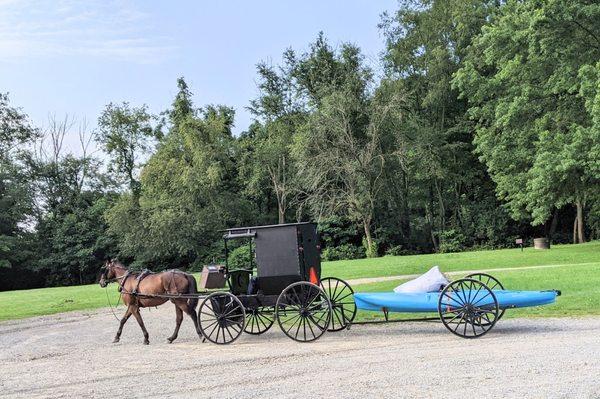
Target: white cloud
104,29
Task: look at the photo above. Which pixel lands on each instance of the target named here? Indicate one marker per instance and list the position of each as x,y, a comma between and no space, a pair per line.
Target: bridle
120,280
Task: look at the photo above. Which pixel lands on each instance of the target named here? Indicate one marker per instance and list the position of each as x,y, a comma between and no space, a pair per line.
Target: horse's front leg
138,317
121,324
178,320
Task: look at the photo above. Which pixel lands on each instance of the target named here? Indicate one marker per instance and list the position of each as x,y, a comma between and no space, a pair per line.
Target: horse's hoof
146,342
170,341
115,340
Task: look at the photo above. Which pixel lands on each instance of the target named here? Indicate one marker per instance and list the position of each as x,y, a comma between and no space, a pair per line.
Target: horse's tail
192,289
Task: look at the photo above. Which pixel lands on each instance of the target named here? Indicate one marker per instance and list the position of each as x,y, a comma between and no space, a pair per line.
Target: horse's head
107,273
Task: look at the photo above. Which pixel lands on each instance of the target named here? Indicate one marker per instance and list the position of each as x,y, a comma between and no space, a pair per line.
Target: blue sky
64,56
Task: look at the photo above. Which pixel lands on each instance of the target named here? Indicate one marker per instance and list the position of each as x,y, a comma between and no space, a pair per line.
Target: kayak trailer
468,307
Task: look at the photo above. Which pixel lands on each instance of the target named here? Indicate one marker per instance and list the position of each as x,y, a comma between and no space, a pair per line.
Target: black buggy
282,282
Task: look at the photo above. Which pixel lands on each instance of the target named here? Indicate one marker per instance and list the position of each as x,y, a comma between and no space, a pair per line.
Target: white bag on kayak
432,281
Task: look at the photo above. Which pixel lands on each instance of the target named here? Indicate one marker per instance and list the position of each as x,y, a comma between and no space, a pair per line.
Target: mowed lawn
578,278
474,260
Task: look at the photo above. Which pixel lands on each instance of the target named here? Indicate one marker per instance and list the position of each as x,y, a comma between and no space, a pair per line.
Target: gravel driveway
70,355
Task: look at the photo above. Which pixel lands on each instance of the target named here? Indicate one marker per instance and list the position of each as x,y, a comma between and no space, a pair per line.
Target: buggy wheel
221,318
468,308
492,282
259,319
341,296
303,311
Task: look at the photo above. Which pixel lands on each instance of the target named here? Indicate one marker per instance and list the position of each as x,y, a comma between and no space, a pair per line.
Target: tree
15,128
125,134
281,114
71,195
340,153
16,200
436,173
189,190
527,80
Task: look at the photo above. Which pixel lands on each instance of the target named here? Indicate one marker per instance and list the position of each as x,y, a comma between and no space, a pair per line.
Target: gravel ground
70,355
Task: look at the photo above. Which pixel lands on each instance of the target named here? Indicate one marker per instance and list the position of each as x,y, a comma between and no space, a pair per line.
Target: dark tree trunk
575,231
553,225
405,224
580,225
436,246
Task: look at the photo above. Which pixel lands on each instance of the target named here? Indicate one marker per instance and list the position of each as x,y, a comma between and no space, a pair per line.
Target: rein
118,280
112,309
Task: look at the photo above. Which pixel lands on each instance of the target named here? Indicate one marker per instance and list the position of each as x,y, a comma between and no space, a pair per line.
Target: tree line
484,126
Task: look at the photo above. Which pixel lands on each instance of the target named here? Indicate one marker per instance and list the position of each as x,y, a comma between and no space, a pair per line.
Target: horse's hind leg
192,313
178,320
121,324
138,317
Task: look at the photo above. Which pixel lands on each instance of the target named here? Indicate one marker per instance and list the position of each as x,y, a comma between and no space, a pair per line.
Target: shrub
372,251
396,250
342,252
239,258
452,241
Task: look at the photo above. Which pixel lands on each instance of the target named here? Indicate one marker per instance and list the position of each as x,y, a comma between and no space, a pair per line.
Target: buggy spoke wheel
221,318
303,311
341,296
492,283
259,319
468,308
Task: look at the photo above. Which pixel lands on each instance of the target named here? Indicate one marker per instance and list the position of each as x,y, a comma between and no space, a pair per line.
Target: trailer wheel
341,296
492,282
303,311
259,319
221,318
468,308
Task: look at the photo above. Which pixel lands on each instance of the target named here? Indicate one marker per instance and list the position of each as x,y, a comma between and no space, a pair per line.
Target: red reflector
312,276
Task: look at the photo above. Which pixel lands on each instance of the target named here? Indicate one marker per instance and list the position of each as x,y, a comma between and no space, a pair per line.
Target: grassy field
578,278
504,258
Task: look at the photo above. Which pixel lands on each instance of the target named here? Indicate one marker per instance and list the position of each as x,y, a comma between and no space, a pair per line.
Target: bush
342,252
239,258
371,251
399,250
452,241
337,231
396,250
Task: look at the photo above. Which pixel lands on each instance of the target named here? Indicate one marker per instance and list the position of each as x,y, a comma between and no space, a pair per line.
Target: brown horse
138,290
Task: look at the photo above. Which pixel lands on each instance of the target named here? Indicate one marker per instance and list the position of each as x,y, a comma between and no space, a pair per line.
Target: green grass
44,301
579,280
503,258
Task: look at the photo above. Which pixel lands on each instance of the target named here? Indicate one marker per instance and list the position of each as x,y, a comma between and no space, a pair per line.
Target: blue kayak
428,302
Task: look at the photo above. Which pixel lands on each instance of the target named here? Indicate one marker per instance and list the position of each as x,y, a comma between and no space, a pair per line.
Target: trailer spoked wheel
221,318
341,296
468,308
492,282
259,319
303,311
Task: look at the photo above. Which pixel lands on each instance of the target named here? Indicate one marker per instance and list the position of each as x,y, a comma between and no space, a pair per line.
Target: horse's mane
118,264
